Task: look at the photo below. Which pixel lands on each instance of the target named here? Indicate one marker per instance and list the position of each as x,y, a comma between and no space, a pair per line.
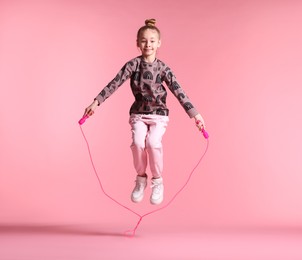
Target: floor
91,242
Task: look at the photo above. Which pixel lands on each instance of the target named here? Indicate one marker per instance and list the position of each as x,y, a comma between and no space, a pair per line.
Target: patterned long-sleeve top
146,81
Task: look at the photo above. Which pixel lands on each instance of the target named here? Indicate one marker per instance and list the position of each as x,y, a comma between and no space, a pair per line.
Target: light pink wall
240,63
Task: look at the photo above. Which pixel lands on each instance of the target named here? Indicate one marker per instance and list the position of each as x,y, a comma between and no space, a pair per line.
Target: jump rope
132,232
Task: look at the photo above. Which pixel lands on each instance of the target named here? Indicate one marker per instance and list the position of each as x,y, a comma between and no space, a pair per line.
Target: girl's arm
107,91
120,78
174,86
184,100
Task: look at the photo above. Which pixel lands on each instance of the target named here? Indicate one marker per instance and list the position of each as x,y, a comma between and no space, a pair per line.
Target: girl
148,113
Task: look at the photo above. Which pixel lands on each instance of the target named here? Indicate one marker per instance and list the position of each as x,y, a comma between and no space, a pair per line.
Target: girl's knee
152,143
138,144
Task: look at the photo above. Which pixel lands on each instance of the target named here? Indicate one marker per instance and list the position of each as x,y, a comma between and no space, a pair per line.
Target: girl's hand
199,122
89,111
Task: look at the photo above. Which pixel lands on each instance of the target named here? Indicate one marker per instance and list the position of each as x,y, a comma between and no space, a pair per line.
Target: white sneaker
157,195
138,191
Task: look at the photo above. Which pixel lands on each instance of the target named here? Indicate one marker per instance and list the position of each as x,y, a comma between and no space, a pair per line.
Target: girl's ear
137,43
159,43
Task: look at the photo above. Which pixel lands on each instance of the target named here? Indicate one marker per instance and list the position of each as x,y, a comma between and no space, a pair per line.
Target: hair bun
150,22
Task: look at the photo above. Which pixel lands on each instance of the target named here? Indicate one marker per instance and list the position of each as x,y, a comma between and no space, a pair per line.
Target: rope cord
132,232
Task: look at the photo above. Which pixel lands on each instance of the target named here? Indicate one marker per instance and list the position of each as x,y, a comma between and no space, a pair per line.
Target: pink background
239,62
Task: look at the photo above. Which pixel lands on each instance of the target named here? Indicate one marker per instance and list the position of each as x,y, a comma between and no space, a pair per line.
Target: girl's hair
149,24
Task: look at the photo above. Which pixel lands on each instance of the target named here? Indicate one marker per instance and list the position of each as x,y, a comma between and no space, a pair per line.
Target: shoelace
156,187
139,185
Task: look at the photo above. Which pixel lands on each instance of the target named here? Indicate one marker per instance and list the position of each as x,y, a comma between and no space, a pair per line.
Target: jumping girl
149,112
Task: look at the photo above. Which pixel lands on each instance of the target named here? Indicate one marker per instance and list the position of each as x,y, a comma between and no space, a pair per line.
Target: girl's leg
139,131
157,128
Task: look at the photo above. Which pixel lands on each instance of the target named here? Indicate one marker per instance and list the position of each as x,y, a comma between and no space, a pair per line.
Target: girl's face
148,43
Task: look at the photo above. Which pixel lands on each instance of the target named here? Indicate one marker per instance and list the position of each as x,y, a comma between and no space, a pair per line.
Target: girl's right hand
89,111
199,121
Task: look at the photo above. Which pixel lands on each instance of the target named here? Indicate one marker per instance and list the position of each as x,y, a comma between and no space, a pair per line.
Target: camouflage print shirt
146,81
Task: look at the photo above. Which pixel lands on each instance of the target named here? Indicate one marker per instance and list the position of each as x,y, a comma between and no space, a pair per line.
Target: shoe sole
137,200
156,202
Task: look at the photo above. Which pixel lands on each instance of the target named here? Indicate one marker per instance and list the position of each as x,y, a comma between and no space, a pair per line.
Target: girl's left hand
199,122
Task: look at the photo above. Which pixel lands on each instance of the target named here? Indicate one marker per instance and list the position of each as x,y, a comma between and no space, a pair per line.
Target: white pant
147,133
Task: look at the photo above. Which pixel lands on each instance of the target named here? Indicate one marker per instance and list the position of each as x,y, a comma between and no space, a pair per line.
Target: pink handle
83,119
205,134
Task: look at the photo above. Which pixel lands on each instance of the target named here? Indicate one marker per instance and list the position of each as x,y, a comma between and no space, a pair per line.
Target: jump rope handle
203,131
83,119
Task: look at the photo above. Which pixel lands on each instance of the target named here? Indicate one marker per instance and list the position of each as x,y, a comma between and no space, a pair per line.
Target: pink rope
132,232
